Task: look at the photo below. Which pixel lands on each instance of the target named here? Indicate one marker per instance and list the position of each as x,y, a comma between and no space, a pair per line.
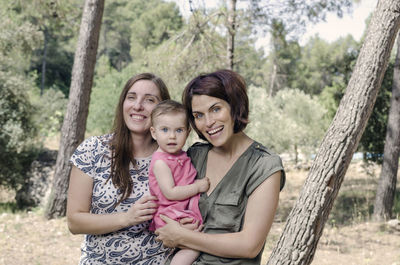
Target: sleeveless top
183,173
131,245
224,209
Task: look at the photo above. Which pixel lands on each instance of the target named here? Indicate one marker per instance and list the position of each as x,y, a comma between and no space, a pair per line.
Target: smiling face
140,100
170,131
212,118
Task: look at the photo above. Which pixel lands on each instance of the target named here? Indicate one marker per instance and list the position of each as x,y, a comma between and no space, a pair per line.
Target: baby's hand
203,184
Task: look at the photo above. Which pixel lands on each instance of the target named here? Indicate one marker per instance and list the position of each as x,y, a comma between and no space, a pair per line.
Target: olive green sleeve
262,169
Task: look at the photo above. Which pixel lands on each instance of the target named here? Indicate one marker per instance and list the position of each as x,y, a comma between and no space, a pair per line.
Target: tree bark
387,182
306,221
273,79
231,33
44,61
74,125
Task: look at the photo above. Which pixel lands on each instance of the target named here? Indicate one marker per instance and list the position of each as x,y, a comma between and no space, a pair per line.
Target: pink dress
183,173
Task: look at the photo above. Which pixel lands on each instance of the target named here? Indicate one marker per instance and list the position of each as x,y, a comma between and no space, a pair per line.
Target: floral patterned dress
132,245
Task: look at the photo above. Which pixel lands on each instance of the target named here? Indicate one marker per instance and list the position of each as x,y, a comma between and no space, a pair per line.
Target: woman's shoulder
100,143
263,151
90,152
266,161
198,147
198,151
103,140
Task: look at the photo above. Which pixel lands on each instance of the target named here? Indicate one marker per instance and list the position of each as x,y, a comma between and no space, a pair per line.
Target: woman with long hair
108,196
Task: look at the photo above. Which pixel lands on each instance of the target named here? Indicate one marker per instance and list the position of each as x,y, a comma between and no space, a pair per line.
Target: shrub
18,133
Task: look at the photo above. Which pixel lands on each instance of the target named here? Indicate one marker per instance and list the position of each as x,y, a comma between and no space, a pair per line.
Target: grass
357,205
355,200
349,236
352,206
9,207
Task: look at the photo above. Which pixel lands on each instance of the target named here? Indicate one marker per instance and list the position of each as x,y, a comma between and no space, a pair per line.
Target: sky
335,27
330,30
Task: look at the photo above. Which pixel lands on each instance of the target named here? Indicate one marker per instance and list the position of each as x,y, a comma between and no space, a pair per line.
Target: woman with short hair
245,176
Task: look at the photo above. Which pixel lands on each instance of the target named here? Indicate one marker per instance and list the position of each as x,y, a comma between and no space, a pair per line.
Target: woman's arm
167,186
244,244
81,221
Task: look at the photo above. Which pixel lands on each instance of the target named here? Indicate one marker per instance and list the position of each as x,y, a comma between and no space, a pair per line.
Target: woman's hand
170,233
82,221
142,210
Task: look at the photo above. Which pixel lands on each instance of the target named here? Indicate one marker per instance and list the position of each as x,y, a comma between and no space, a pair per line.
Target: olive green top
223,210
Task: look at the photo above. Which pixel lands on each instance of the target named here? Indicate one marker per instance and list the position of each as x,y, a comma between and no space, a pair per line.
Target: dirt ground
29,239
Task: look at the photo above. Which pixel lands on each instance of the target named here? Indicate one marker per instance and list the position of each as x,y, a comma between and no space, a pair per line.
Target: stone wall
39,179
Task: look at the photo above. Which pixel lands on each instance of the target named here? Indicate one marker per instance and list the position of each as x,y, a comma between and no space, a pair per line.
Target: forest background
294,89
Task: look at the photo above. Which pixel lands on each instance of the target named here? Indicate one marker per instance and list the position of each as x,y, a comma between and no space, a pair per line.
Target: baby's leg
184,257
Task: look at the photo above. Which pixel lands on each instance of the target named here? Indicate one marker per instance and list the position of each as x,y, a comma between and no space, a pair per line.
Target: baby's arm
166,183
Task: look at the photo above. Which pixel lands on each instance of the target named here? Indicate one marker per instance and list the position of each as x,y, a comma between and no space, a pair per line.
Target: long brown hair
121,143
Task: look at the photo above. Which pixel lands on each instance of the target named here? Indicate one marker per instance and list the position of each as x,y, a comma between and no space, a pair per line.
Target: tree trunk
387,182
46,39
306,221
273,78
74,125
231,25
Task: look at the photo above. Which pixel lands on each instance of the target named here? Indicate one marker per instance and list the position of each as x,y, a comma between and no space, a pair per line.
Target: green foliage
115,31
18,39
283,59
291,121
196,49
396,204
324,65
17,129
151,36
201,47
154,26
329,67
330,97
373,138
59,61
352,206
17,132
248,61
132,26
57,22
324,69
48,15
50,108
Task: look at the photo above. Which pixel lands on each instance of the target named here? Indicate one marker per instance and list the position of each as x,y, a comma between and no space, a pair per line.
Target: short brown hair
167,107
226,85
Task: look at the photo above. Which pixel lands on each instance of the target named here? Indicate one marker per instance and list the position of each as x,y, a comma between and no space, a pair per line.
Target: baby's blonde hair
167,107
